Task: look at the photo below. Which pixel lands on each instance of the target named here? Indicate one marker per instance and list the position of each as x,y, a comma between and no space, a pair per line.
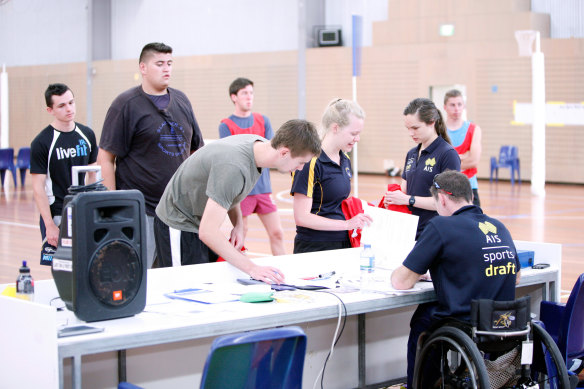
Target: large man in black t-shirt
149,130
469,255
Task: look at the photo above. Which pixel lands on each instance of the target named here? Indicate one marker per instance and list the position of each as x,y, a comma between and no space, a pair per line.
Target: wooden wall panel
111,78
206,81
26,93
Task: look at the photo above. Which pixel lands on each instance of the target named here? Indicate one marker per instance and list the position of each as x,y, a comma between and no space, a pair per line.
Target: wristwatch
412,201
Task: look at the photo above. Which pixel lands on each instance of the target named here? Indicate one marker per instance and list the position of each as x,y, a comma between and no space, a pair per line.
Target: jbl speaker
100,263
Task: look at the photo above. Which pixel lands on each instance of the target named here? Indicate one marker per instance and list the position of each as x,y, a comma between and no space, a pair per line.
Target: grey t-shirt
224,170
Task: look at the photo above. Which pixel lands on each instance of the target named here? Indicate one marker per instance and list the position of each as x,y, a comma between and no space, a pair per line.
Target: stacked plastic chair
23,163
508,158
7,163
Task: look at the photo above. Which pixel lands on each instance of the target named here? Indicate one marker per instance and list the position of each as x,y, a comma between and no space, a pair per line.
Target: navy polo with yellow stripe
419,173
328,184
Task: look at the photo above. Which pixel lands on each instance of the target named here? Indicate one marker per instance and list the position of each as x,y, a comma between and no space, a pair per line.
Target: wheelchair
501,347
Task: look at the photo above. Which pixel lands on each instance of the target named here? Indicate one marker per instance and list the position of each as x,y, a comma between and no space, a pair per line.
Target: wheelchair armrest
551,313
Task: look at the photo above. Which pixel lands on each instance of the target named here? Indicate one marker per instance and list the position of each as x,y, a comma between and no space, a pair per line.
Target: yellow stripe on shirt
310,185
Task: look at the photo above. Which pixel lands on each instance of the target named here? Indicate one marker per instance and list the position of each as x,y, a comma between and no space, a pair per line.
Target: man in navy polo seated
469,254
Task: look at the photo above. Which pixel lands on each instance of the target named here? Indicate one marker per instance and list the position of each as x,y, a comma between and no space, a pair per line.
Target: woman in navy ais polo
433,155
320,188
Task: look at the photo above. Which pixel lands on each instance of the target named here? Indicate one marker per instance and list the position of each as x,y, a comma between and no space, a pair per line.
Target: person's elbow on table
403,278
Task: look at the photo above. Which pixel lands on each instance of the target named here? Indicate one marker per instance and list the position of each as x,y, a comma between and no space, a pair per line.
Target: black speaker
100,263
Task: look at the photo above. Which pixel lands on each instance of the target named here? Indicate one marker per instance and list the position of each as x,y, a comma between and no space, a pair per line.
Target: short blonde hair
339,111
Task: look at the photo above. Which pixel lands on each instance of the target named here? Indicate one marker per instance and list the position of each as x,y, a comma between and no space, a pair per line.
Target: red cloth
464,147
393,207
352,206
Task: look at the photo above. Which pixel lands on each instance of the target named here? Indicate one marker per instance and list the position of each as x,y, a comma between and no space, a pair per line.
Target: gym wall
406,59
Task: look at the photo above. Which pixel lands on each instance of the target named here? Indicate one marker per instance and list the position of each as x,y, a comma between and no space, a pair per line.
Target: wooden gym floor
556,218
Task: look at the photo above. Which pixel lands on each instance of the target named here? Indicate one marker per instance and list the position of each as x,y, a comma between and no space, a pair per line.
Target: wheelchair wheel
450,359
548,365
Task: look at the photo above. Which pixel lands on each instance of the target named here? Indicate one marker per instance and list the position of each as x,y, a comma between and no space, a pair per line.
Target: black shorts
304,246
192,250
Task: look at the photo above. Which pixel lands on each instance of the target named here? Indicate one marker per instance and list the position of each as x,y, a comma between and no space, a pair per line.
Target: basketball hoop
525,39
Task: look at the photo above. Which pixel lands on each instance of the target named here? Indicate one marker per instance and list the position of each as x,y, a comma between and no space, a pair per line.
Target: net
525,39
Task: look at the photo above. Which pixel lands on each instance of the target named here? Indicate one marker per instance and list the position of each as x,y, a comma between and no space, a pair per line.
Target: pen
327,275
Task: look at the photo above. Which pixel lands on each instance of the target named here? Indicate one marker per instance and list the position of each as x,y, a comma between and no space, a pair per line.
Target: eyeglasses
438,187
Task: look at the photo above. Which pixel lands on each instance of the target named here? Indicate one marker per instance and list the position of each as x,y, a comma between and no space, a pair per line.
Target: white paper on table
392,235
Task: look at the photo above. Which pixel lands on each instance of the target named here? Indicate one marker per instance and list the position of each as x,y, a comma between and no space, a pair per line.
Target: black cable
344,313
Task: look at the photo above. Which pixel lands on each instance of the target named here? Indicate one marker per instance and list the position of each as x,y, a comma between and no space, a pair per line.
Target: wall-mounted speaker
100,263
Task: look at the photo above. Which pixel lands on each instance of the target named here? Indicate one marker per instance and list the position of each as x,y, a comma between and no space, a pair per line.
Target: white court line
284,196
19,224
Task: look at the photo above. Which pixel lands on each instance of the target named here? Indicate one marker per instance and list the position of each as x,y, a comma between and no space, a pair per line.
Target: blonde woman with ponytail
321,186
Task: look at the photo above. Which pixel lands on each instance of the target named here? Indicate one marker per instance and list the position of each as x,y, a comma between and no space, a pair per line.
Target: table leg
61,379
361,347
552,292
76,373
122,366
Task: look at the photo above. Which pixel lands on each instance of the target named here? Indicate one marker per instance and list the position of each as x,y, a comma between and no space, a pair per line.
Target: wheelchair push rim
457,356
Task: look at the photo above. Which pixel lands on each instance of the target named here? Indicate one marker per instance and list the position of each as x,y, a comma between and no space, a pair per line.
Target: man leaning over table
209,186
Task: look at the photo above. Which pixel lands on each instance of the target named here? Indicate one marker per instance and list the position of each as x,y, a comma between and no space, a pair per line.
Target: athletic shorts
260,203
179,248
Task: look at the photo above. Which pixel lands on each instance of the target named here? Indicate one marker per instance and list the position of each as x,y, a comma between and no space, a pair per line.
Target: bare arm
106,160
403,278
42,202
471,158
399,197
210,234
303,217
237,234
91,176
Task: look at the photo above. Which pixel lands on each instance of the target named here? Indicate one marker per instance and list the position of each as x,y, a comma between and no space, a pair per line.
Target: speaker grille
114,273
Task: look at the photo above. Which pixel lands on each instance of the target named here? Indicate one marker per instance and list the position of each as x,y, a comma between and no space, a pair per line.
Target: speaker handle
75,170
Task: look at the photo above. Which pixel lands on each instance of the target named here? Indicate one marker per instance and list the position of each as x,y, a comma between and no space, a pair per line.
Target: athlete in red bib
259,201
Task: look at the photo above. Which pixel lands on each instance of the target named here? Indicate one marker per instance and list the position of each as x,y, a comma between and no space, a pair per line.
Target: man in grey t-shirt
211,183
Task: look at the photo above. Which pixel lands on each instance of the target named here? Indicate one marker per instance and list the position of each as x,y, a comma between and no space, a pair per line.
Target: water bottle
25,284
367,268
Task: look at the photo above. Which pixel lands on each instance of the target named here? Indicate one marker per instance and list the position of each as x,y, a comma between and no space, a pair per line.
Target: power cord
336,337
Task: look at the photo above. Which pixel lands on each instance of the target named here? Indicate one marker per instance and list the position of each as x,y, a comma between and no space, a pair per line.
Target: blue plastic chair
508,158
7,163
265,359
565,323
23,162
127,385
